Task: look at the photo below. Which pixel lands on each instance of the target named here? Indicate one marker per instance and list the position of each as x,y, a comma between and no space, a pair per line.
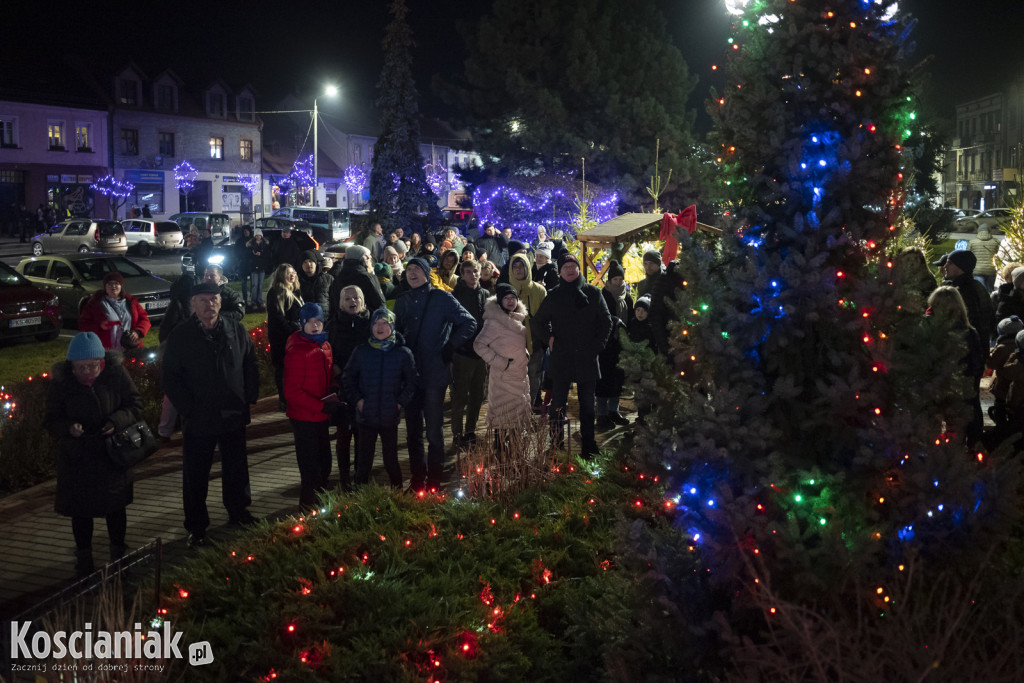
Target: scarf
318,339
575,289
117,311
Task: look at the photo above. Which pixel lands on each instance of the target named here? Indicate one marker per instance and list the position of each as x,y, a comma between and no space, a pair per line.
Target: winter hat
644,302
480,253
504,289
309,311
468,246
429,239
387,316
942,260
545,248
420,263
257,233
1019,340
431,260
557,249
356,251
614,270
514,247
1016,275
85,346
399,246
446,245
964,260
382,270
388,251
205,288
382,314
653,256
310,255
113,277
1008,328
984,234
567,258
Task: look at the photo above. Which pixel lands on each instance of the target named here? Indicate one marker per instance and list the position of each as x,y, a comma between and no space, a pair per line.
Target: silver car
147,234
75,277
82,235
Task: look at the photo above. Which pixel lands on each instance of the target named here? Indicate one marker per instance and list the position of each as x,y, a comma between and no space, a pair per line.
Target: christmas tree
398,184
799,412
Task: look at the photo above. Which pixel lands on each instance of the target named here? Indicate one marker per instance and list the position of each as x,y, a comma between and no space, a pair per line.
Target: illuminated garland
524,211
110,186
356,179
185,176
250,182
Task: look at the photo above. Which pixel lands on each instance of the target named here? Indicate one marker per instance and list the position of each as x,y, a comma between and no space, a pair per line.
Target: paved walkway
38,547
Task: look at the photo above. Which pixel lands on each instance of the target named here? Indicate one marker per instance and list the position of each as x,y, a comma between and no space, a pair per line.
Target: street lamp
329,91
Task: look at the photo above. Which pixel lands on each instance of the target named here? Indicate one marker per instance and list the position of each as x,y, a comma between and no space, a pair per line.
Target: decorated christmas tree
804,412
398,184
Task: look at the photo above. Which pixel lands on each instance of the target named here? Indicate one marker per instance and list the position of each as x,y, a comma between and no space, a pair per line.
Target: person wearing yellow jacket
530,294
445,276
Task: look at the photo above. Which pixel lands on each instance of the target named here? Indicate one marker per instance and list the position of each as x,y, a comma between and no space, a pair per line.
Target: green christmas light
725,335
822,521
798,498
704,307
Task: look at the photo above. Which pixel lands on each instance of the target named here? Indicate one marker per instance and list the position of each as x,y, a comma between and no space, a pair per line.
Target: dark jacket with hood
89,484
473,300
211,376
576,315
383,380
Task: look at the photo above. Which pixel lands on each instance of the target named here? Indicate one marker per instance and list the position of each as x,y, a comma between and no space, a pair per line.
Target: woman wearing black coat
283,303
91,396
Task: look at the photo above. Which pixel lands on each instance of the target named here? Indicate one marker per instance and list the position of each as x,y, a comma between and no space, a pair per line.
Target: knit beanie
1019,340
501,291
420,263
310,255
309,311
514,247
382,270
1008,328
85,346
399,246
113,277
544,248
567,258
429,239
356,251
964,260
1016,275
653,256
614,270
644,302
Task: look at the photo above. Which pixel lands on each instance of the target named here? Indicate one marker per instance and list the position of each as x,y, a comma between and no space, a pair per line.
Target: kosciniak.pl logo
89,644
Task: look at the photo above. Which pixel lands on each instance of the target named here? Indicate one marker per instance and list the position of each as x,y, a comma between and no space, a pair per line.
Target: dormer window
215,106
128,92
165,97
246,110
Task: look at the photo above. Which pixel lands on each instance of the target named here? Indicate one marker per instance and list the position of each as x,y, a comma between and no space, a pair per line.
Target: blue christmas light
185,176
356,179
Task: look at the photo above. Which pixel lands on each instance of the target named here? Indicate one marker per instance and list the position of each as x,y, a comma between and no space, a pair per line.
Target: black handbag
131,445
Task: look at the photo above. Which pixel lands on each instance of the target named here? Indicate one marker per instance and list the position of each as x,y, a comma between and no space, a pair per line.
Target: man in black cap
211,377
493,243
287,250
958,271
514,247
575,321
653,270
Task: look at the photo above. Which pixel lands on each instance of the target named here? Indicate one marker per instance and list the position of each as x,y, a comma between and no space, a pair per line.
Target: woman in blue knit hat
311,401
91,396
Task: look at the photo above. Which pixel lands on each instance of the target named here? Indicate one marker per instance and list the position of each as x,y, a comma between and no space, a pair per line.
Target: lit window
83,137
216,148
245,150
55,133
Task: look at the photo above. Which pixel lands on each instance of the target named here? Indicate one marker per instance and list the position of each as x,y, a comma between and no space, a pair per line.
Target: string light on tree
116,189
356,179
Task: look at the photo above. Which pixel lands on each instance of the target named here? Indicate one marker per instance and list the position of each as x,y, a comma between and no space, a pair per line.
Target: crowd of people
482,318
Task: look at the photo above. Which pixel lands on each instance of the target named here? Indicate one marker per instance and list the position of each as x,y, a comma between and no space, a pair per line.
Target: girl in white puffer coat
501,343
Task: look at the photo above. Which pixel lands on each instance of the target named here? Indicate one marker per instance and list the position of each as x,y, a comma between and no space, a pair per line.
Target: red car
26,310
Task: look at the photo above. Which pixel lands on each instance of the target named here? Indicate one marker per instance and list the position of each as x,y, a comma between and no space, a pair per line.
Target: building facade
985,158
49,155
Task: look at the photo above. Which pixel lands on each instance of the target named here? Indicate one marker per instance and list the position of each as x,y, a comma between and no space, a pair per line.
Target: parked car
147,234
219,223
961,214
75,277
328,224
82,235
26,310
993,219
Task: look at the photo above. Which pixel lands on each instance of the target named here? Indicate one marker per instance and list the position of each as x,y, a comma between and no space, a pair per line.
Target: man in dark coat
357,269
494,243
469,372
287,250
958,271
653,270
575,321
430,320
211,377
315,283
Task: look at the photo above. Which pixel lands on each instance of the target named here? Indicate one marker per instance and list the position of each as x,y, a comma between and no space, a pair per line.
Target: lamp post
329,91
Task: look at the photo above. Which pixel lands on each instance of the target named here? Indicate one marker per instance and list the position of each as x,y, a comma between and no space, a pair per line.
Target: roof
621,228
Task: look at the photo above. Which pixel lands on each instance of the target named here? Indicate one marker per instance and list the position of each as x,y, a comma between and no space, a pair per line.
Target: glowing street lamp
329,91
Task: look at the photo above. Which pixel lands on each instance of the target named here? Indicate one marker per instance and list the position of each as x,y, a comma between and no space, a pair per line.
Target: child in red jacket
311,401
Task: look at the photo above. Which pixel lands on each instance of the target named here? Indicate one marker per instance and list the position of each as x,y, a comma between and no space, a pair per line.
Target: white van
329,225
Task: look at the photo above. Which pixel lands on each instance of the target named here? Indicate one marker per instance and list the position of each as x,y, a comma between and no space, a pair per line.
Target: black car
224,252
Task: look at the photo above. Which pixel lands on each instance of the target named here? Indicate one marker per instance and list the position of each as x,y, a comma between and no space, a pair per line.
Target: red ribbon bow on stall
687,218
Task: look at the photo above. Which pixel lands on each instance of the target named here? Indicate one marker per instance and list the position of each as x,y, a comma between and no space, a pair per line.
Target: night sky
279,50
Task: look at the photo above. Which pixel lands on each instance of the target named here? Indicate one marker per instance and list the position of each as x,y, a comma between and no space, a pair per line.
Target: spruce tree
798,415
398,184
